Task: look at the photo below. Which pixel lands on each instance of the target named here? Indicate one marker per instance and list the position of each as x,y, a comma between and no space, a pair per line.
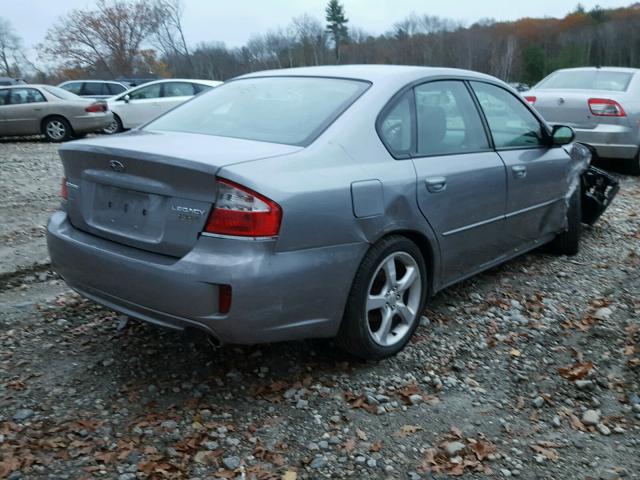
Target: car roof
91,81
371,73
190,80
605,69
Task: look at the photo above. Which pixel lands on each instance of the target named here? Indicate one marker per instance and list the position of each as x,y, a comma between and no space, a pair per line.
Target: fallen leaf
483,449
515,352
406,430
576,371
546,452
361,435
290,475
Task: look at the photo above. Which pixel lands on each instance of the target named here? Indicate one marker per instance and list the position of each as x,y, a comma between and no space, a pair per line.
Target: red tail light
604,107
242,212
64,192
97,107
531,99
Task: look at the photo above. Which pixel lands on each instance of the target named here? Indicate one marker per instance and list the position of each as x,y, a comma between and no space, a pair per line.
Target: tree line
125,38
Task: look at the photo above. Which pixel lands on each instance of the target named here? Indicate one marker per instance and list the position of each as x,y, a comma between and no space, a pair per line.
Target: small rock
636,408
360,460
15,476
505,472
453,448
169,424
424,321
538,402
556,422
302,403
231,462
371,463
584,384
612,475
603,429
23,414
415,399
127,476
603,313
318,462
591,417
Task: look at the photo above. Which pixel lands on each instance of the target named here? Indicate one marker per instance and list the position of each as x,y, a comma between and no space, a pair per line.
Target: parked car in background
56,113
6,81
519,87
602,105
144,103
94,88
315,202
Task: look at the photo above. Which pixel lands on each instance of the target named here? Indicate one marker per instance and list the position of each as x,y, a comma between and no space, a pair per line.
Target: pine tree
337,25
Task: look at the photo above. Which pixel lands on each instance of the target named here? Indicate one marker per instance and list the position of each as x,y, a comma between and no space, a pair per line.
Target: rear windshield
61,93
289,110
587,80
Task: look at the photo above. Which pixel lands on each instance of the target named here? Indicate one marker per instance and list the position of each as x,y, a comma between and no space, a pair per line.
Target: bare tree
106,39
170,36
10,49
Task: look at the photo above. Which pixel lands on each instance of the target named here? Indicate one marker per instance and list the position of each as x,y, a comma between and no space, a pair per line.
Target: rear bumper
611,141
275,295
91,122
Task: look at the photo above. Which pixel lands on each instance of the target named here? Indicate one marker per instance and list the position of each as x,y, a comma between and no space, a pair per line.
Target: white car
141,104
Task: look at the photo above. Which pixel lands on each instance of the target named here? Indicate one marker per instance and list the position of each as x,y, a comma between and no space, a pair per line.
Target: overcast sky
234,21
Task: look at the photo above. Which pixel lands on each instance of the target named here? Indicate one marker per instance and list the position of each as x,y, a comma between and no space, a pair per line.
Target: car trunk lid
151,190
572,108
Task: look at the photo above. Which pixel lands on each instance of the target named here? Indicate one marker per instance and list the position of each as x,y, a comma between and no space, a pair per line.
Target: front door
462,186
537,172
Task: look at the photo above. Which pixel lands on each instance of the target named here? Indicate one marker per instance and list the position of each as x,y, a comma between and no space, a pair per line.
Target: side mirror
562,135
127,98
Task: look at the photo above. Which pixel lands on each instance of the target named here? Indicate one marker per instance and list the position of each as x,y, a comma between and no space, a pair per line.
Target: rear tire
568,242
386,300
57,129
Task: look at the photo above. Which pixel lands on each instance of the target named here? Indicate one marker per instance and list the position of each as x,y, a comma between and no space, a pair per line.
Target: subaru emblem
116,166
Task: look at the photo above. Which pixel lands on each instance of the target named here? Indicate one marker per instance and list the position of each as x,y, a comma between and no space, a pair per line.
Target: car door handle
436,184
519,171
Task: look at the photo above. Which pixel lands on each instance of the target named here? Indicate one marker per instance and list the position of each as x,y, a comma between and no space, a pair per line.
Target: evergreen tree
337,25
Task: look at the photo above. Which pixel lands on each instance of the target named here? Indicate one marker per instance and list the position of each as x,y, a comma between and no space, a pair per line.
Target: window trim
547,137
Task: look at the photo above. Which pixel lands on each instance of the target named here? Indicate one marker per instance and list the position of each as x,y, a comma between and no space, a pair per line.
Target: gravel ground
530,370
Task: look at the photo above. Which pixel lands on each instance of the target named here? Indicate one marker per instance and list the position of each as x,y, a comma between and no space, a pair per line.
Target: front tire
57,129
386,300
568,242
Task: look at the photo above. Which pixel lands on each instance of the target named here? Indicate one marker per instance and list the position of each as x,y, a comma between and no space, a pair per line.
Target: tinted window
396,126
587,80
290,110
94,88
448,121
25,95
510,122
73,87
4,97
152,91
178,89
115,89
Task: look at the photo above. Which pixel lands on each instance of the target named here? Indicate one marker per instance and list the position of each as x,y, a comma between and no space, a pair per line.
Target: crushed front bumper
598,190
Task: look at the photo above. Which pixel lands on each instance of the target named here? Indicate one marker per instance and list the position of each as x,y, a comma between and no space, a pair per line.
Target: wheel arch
54,115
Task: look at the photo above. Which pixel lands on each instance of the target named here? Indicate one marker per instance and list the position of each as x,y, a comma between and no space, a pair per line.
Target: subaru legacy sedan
601,104
314,202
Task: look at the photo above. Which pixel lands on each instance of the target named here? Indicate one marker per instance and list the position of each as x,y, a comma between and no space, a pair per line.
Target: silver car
57,114
314,202
601,104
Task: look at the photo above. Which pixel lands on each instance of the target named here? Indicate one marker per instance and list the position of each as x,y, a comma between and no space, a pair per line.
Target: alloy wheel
56,130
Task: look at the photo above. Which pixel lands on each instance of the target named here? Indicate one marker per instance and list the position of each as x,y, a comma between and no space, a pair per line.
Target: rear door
536,172
462,186
26,107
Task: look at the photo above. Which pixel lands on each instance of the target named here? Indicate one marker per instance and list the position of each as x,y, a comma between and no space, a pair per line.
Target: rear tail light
604,107
64,192
531,99
241,212
97,107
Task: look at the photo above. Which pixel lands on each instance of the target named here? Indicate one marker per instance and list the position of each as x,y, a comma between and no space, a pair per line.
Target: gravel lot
531,370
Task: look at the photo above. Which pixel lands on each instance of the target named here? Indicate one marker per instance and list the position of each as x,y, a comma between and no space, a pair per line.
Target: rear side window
4,97
512,125
115,89
178,89
448,121
587,80
73,87
396,127
94,88
289,110
151,91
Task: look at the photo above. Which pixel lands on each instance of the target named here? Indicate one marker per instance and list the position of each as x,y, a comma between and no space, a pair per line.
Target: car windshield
61,93
289,110
587,80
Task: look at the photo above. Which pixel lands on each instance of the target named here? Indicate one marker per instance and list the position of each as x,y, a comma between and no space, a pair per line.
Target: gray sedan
315,202
57,114
601,104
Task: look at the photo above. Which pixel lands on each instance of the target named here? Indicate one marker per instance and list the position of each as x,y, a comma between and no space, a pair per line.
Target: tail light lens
64,192
97,107
604,107
242,212
531,99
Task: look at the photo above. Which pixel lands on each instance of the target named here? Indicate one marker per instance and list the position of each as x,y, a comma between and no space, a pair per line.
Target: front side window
73,87
448,121
512,125
152,91
178,89
396,127
289,110
25,95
